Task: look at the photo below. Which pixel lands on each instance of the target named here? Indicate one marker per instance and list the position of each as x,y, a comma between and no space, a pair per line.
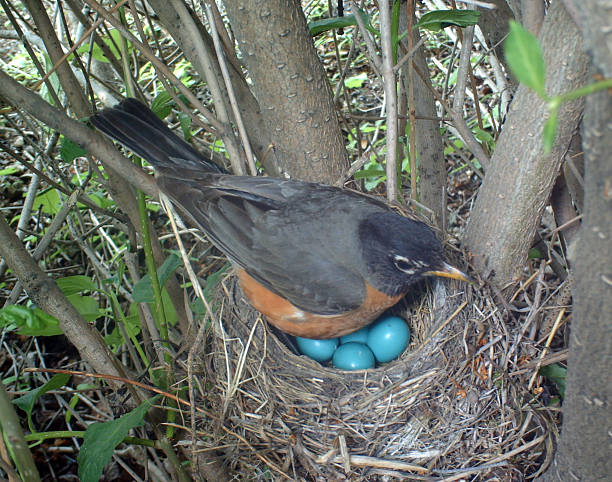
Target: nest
446,409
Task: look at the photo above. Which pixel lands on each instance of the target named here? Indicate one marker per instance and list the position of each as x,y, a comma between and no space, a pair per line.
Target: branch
79,133
390,98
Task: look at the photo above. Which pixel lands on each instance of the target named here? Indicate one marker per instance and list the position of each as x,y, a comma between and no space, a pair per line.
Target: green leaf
535,253
365,173
395,38
549,132
8,171
485,137
132,326
101,199
440,19
557,374
76,284
87,306
185,123
326,24
48,200
211,282
26,402
101,439
162,104
356,81
29,321
525,58
70,151
97,53
54,79
143,290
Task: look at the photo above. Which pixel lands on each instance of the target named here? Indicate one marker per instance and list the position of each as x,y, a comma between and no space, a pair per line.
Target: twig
56,225
365,461
390,87
207,64
461,126
150,56
546,347
374,59
446,322
407,57
477,3
462,70
542,362
358,164
230,91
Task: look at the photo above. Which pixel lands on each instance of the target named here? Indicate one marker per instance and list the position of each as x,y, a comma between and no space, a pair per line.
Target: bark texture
519,180
429,144
494,24
291,87
586,438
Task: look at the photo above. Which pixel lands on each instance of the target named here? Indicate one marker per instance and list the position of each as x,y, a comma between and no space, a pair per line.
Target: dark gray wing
297,239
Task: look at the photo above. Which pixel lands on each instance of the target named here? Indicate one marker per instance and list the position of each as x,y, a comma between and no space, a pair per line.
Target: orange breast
290,319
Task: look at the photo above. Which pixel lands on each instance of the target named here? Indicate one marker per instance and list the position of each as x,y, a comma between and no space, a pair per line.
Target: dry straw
447,409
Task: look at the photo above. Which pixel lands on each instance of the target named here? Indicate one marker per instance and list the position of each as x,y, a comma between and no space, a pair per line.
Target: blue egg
360,336
353,356
388,338
320,350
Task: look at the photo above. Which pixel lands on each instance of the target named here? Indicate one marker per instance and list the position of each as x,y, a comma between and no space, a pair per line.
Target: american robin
317,261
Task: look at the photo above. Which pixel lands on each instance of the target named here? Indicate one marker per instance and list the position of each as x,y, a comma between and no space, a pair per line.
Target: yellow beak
449,271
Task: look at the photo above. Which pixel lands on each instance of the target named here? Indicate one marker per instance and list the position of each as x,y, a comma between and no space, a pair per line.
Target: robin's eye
403,264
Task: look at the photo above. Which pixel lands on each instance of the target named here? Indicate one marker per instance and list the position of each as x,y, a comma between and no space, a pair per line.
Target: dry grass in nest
445,410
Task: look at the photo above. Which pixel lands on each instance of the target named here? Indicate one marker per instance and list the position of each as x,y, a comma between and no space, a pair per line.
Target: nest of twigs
446,409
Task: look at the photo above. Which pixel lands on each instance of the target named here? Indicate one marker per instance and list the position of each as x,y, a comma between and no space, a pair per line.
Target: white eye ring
403,264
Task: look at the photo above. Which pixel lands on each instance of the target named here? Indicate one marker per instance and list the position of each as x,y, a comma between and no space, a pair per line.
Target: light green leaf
87,306
48,200
356,81
112,43
185,123
326,24
8,171
365,173
440,19
101,439
525,58
29,321
76,284
485,137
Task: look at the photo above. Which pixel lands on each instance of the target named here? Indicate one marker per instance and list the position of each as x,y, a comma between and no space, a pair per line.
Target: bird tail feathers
134,125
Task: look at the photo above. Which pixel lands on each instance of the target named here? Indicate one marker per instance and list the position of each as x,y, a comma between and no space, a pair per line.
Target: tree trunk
291,87
518,183
586,436
586,441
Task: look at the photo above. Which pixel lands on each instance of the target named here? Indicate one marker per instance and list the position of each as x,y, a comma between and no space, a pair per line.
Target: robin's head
401,251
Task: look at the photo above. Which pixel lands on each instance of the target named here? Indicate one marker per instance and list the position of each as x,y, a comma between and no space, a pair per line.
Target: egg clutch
382,341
